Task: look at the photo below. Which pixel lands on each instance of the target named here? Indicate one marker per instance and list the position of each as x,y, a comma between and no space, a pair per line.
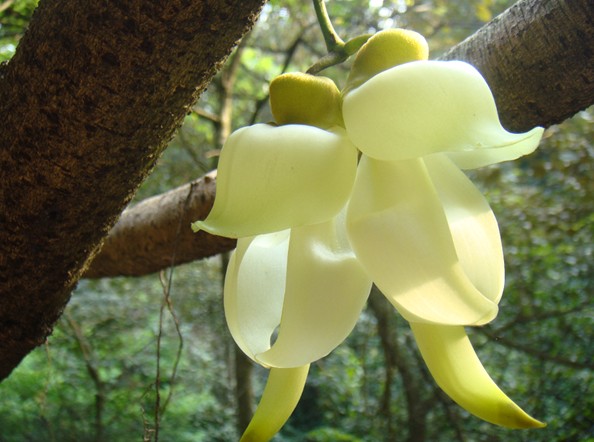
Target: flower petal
254,290
326,291
399,231
272,178
281,395
424,107
472,224
525,144
456,368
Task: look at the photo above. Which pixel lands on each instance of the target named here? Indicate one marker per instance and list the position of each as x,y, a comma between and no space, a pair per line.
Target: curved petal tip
425,107
457,370
281,395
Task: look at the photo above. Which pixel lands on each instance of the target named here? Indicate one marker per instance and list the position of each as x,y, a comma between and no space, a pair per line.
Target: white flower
322,212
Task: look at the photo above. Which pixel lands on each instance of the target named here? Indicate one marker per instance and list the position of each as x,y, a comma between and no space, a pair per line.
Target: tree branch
538,58
203,113
539,67
145,239
530,350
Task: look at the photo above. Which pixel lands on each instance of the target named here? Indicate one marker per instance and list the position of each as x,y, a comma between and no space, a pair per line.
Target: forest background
149,357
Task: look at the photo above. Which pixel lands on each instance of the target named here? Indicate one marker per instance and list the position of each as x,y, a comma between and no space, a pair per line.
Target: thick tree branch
88,102
538,58
156,233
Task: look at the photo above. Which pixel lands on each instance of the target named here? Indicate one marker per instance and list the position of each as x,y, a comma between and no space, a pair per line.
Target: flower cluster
365,186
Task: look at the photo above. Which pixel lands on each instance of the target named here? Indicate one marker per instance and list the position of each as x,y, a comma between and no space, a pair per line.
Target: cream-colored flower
366,187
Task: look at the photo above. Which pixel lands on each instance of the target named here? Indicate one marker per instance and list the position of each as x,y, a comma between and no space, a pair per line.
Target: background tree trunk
88,102
395,358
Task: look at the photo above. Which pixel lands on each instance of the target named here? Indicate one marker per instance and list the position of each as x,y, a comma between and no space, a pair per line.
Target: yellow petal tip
512,416
279,399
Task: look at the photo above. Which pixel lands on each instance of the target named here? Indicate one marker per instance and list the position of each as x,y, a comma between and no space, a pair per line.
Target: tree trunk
88,102
244,393
538,58
416,404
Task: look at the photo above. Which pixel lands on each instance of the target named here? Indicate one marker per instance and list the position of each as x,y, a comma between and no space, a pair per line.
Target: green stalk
333,41
338,50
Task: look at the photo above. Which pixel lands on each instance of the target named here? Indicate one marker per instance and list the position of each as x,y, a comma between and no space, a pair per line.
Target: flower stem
333,41
338,50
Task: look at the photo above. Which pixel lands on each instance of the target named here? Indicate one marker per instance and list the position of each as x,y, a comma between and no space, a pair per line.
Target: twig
86,351
531,351
203,113
168,302
167,283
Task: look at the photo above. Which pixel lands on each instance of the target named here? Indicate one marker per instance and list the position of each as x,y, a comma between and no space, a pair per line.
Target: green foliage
329,435
95,378
14,17
52,395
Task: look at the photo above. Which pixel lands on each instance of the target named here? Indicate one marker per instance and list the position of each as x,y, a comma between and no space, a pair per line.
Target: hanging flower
360,187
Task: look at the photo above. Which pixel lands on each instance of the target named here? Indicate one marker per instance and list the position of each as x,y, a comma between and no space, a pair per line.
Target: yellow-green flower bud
297,98
385,50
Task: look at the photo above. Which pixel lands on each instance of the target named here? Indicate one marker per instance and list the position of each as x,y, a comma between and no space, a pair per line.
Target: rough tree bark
538,58
88,102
